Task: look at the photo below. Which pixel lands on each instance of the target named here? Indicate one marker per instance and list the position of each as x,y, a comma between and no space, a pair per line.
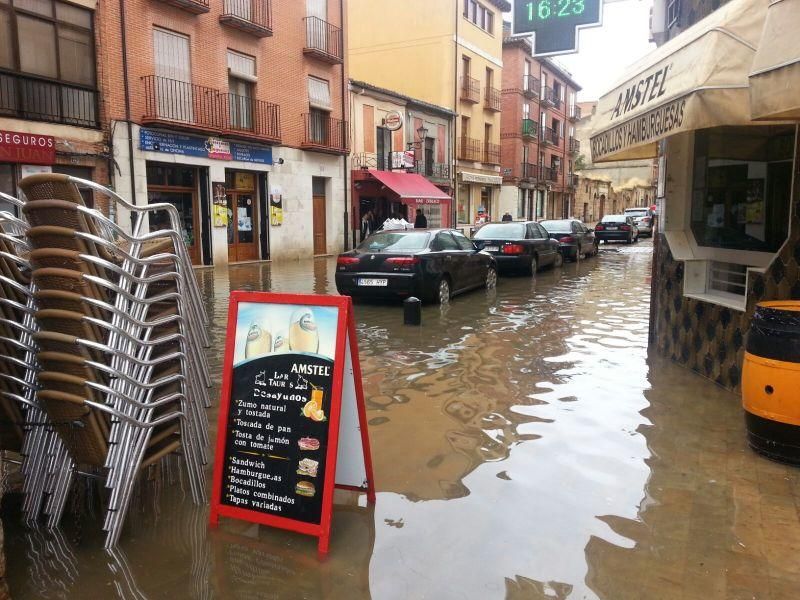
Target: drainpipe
126,90
344,161
454,128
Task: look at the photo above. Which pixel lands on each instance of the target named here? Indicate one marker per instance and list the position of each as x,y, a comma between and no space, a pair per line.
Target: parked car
643,217
574,238
617,228
432,264
519,246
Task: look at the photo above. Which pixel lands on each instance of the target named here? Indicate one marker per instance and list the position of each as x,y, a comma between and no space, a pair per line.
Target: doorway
177,185
319,215
240,193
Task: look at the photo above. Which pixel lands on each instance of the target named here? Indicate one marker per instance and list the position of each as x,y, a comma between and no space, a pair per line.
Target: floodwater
525,446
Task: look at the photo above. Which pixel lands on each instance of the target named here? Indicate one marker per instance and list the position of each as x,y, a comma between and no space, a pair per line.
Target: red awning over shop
409,186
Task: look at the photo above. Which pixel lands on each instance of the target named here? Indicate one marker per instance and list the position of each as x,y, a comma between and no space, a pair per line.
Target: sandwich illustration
307,467
303,332
259,342
305,488
308,443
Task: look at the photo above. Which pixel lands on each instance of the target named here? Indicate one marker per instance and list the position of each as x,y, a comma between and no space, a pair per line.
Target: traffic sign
554,23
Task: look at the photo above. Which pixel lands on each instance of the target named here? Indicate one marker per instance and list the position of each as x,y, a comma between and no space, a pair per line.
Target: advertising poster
276,209
220,203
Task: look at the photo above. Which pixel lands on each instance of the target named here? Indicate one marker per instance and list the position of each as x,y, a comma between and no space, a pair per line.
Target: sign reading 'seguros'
28,148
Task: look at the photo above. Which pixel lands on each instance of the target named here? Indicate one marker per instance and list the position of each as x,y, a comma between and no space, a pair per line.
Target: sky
604,52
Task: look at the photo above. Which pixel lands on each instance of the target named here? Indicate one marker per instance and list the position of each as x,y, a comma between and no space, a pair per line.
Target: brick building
50,109
235,112
538,143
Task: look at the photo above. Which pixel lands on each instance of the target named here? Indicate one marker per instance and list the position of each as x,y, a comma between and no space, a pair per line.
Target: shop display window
741,187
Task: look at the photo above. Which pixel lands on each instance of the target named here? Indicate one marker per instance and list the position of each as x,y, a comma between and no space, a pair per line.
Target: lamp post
422,133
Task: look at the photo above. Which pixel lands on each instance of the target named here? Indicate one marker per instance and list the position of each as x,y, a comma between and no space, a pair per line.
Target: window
477,14
463,242
8,185
241,75
489,78
727,278
465,65
741,187
319,100
673,12
464,202
443,242
526,111
319,93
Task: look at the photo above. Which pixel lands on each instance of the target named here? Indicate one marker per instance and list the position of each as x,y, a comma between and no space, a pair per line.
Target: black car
519,246
432,264
617,228
574,238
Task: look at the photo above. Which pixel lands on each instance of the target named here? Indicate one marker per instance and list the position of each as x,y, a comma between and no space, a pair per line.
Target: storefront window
7,186
463,204
741,187
175,185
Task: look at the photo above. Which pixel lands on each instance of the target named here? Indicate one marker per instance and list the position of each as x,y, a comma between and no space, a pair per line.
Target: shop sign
393,120
403,160
27,148
220,201
292,419
153,140
467,177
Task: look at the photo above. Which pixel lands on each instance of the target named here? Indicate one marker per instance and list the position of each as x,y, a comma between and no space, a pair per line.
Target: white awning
775,74
697,80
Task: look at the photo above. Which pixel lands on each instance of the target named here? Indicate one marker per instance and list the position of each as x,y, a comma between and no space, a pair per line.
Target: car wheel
443,292
559,261
491,278
534,266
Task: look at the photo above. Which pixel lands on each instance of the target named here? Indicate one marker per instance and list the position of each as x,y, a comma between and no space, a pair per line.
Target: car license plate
492,248
373,282
611,228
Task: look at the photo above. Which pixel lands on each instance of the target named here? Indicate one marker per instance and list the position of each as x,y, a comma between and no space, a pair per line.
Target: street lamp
422,133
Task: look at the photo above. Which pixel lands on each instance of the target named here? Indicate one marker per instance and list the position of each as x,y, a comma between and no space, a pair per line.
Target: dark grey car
522,246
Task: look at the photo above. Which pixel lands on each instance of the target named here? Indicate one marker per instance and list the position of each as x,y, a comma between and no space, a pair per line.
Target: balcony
324,133
491,100
530,172
546,96
549,174
572,180
323,41
195,107
38,99
470,89
470,149
574,146
248,117
433,170
529,129
196,7
491,154
251,16
530,87
550,136
574,113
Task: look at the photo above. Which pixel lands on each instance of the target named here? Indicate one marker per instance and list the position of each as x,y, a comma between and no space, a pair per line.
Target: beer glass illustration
259,341
303,332
281,344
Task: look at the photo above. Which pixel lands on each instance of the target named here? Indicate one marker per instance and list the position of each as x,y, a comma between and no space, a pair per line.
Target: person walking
421,221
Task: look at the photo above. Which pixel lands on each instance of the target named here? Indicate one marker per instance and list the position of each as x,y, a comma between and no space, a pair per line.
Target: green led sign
554,23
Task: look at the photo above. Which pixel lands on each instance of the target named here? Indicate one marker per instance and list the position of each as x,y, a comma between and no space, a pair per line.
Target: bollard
412,311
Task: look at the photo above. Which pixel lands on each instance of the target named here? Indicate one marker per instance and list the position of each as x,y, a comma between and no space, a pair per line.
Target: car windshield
395,241
614,219
494,231
636,213
557,226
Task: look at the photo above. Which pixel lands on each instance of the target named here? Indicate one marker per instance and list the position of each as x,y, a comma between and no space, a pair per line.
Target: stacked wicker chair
116,338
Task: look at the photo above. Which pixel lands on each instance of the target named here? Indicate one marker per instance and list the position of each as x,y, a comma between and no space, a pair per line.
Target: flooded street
524,444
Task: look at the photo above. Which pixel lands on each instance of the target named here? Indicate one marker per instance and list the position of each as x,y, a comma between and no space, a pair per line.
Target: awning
409,186
775,74
697,80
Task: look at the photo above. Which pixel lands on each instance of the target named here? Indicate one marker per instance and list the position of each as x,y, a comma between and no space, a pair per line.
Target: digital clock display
554,23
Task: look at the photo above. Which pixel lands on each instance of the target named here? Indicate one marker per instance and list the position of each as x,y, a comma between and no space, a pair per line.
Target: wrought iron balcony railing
572,180
251,16
193,6
470,89
574,113
492,99
191,106
434,170
529,128
491,154
530,171
550,136
324,133
530,86
574,146
323,40
470,149
549,173
546,96
39,99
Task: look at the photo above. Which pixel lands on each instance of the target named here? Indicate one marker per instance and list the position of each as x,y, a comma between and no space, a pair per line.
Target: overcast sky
605,51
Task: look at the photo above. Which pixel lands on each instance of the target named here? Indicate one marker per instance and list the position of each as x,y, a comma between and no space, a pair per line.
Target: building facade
401,160
51,111
538,140
447,53
235,112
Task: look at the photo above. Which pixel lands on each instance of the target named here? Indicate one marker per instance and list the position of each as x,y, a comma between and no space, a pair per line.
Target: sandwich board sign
554,23
292,420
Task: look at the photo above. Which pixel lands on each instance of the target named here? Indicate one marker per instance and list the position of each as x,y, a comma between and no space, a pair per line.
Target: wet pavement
525,446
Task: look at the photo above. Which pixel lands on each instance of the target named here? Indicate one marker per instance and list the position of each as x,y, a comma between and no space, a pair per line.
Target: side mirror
479,244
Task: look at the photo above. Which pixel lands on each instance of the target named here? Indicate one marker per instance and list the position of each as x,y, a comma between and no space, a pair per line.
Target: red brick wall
282,68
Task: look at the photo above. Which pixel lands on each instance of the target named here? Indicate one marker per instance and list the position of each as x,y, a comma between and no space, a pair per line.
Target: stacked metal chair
118,333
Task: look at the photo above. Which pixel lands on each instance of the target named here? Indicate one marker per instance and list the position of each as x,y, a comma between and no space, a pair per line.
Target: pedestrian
482,218
367,225
507,217
421,222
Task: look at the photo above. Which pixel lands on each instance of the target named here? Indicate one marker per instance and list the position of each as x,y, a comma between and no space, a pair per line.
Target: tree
580,163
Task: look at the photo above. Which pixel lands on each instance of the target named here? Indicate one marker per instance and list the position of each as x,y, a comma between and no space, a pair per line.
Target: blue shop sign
152,140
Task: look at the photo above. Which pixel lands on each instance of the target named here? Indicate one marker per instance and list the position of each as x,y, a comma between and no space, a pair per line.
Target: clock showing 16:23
544,10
